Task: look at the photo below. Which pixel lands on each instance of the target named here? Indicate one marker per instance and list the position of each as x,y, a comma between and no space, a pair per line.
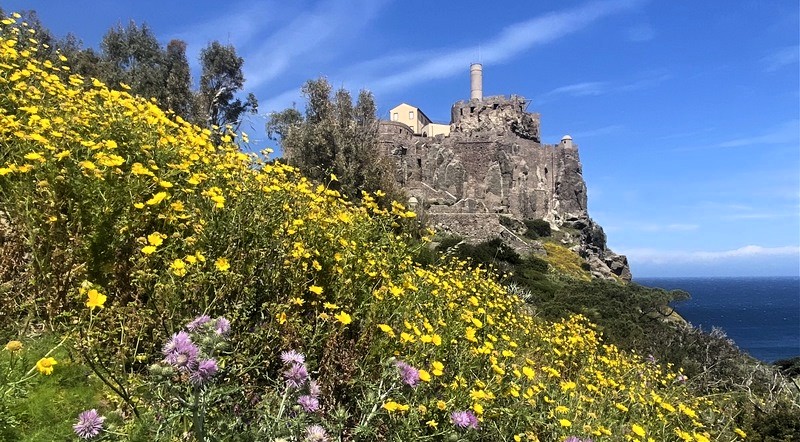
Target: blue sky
686,113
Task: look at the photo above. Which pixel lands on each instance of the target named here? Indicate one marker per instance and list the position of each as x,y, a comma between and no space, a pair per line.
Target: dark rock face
493,164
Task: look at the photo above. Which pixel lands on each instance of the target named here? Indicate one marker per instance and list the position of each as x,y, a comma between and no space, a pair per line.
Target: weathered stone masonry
493,164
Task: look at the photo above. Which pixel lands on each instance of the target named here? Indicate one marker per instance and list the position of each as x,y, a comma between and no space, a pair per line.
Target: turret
476,81
566,141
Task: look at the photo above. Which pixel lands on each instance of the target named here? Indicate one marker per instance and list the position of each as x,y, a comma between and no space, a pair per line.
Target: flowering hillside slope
223,296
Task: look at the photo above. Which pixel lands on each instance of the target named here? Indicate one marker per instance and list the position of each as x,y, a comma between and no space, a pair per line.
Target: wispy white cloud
786,133
510,42
781,58
783,135
688,134
317,34
655,256
283,100
579,89
731,211
593,88
239,25
275,36
647,82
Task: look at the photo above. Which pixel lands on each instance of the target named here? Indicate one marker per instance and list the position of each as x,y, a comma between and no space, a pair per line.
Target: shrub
448,242
537,228
565,262
493,252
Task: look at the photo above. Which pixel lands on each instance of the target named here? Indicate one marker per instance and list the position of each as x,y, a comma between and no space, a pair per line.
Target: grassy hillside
218,296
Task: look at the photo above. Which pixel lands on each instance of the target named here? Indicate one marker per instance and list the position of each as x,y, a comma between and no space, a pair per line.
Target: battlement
497,115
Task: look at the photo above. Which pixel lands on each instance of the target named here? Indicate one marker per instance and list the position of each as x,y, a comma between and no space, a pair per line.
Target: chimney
476,81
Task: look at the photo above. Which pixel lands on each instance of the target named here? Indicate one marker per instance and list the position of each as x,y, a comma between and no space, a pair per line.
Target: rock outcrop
493,164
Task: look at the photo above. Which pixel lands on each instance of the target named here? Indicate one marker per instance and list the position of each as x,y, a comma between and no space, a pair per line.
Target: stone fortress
489,165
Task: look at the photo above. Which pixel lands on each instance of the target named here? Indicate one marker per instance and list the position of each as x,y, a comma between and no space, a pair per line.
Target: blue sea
762,315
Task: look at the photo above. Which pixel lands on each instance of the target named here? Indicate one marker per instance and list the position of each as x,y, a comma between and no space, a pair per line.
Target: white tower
476,81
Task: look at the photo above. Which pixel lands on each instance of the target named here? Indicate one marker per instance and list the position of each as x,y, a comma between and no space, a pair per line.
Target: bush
537,228
493,252
566,262
448,242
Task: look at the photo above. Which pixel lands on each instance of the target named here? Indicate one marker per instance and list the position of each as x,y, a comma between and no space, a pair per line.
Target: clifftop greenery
126,230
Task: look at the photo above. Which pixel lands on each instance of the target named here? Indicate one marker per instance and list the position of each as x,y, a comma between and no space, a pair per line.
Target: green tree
221,79
178,92
335,136
132,55
82,61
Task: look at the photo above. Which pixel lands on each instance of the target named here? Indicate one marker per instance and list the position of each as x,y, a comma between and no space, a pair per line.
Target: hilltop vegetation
210,294
638,319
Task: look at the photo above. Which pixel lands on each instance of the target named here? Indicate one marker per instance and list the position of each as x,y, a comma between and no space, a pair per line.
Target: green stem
381,398
283,403
198,416
29,374
116,386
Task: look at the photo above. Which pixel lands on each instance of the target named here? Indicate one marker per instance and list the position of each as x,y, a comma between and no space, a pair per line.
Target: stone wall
493,164
495,115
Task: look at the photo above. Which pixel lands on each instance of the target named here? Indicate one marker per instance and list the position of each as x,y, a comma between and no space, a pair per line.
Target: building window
394,116
410,115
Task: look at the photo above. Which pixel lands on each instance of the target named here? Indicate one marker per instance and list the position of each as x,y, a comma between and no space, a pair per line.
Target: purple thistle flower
309,403
222,326
205,370
313,389
573,439
198,322
89,425
296,375
180,352
408,374
464,419
315,433
292,357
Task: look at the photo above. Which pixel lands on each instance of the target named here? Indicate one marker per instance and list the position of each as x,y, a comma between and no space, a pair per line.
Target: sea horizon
761,314
712,277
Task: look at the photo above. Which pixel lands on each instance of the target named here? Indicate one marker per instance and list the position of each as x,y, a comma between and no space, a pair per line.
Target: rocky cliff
493,166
